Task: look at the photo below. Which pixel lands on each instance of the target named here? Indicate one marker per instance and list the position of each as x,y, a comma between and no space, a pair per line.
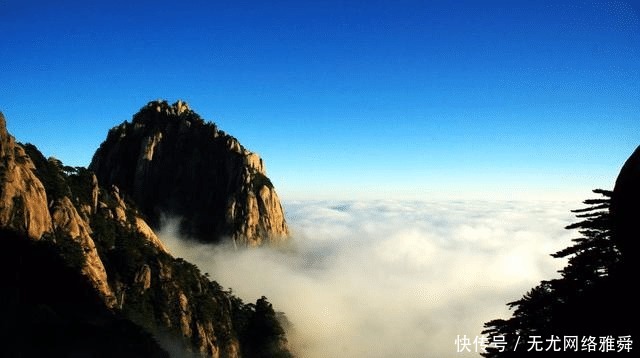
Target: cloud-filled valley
393,278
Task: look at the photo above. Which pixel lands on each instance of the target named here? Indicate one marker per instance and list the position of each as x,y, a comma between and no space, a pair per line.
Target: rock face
104,240
23,201
25,208
625,207
172,163
49,309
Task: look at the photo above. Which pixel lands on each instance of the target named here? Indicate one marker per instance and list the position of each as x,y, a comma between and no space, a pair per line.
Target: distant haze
394,278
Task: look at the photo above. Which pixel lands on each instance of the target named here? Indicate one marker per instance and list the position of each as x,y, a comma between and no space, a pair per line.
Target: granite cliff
172,163
26,208
55,218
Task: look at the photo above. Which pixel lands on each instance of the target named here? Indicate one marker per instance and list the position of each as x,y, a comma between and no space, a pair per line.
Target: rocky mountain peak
110,285
162,111
174,164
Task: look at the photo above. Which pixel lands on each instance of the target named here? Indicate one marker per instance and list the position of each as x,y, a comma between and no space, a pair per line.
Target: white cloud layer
385,279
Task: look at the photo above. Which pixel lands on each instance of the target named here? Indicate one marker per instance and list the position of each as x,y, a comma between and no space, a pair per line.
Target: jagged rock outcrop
49,309
172,163
25,208
23,200
102,238
67,222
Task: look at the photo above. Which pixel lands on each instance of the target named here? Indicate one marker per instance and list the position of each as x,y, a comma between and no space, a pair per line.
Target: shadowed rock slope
625,208
172,163
107,275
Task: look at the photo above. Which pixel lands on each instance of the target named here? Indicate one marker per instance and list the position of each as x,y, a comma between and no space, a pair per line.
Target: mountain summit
79,263
174,164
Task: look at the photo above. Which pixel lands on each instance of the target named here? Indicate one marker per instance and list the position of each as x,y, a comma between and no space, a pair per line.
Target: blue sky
346,99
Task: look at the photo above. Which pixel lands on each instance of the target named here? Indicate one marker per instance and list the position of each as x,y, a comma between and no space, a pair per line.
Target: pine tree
591,299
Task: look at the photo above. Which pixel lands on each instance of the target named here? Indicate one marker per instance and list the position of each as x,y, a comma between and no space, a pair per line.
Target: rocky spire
173,164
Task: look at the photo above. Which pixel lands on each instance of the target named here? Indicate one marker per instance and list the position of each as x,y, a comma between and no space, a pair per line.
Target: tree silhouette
260,328
591,299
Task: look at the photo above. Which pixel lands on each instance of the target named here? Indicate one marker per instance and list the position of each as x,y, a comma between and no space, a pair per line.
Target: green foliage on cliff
66,247
49,309
80,182
259,329
50,173
592,298
153,290
59,180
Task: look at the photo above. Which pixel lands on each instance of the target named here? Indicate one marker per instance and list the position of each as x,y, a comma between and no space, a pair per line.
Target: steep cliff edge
26,209
170,162
97,237
625,225
49,309
625,208
23,201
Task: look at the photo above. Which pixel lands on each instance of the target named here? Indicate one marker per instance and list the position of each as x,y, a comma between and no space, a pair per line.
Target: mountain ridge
103,239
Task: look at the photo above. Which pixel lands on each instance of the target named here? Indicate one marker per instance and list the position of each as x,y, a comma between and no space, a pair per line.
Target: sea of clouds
393,278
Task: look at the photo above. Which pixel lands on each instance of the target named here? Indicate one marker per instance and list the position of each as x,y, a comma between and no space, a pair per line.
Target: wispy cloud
381,279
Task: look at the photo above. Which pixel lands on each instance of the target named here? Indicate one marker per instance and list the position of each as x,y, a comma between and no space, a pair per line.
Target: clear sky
346,99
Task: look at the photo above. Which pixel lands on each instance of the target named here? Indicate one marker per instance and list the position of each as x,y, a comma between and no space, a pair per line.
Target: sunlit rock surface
173,164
